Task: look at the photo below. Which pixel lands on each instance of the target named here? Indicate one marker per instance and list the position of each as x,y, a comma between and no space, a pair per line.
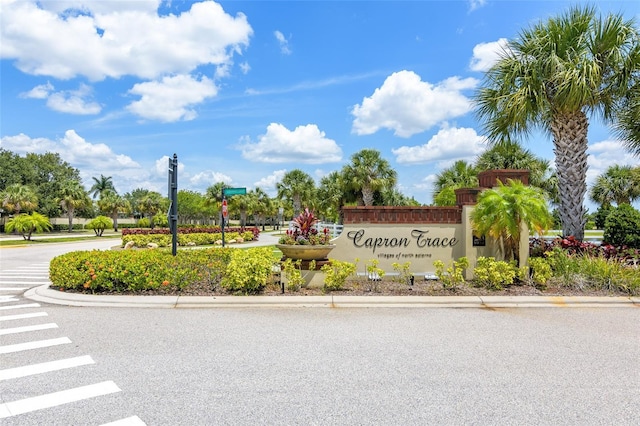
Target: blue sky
244,91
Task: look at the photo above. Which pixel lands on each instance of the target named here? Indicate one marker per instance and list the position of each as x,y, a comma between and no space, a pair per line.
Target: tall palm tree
369,172
619,184
17,198
460,175
297,187
500,213
112,204
100,185
72,196
552,77
332,195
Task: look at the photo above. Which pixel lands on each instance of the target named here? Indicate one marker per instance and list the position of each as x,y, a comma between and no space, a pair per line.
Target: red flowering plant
304,231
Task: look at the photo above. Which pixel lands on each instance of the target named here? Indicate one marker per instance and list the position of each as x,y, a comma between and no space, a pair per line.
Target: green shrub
495,274
563,265
404,272
164,240
541,269
161,221
600,216
138,270
453,276
144,223
248,271
336,273
291,271
99,224
622,227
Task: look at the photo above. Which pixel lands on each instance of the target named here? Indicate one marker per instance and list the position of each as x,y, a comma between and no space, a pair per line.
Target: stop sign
225,212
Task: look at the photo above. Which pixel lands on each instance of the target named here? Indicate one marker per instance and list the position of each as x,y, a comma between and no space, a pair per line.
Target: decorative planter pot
305,252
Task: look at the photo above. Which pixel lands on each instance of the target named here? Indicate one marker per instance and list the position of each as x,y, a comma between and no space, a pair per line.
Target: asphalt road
336,367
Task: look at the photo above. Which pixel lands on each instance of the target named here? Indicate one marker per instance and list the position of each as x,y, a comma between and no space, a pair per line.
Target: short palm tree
18,198
619,184
369,172
500,213
297,187
72,196
552,77
27,224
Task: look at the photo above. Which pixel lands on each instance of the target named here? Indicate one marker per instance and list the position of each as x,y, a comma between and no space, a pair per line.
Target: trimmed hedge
139,270
198,239
193,230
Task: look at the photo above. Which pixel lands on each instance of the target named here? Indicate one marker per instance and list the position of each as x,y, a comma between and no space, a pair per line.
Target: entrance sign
421,235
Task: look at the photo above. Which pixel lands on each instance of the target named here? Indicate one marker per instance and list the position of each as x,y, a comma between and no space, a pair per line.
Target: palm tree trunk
70,215
115,221
570,141
367,196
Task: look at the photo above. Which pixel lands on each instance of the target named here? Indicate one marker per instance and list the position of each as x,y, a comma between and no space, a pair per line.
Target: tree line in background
555,76
47,184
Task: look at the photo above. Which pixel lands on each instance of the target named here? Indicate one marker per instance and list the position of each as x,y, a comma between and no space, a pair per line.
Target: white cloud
447,146
118,38
305,145
268,184
245,67
23,144
487,54
208,178
407,105
74,101
602,155
476,4
284,43
169,100
39,92
162,167
69,101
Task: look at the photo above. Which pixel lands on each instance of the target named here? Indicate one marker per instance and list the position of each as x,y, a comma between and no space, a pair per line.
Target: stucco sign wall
418,244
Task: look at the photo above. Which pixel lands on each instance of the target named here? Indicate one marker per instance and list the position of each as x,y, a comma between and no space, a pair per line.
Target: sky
245,91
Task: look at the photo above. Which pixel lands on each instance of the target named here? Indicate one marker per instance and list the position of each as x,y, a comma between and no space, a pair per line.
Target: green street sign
234,191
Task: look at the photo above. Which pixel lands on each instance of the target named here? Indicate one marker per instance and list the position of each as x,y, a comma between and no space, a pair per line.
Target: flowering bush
304,231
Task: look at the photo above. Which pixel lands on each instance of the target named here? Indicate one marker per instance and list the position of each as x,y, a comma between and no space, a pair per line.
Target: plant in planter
304,241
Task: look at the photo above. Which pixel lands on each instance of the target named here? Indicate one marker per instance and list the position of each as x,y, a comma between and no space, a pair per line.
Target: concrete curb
45,294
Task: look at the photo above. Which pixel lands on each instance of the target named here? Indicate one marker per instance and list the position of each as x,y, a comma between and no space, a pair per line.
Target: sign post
172,214
225,213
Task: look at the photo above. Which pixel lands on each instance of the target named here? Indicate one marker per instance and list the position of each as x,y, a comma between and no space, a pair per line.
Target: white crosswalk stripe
61,397
13,283
57,398
18,280
44,367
